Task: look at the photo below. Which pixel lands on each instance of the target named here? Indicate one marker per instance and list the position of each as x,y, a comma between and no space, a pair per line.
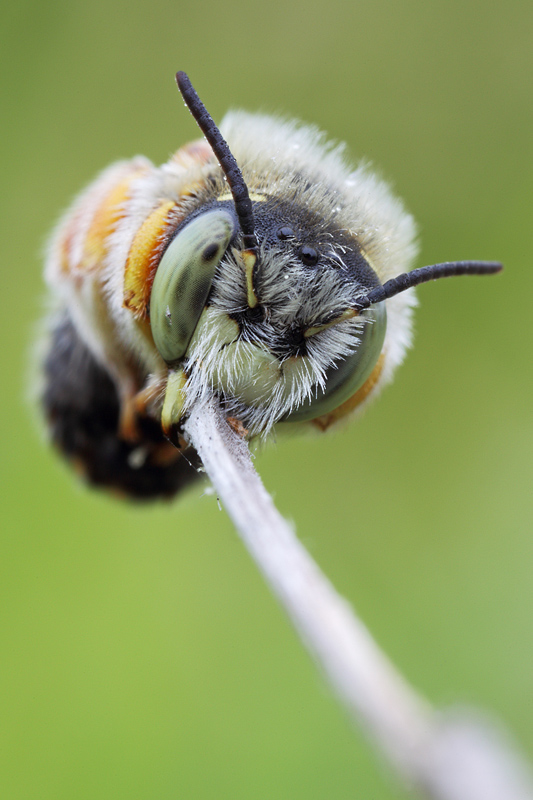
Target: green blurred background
142,656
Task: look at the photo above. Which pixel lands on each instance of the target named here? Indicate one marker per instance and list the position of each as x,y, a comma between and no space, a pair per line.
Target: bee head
271,307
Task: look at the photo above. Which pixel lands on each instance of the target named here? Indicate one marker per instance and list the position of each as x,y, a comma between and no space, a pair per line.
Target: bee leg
82,408
153,392
128,428
134,405
237,426
173,406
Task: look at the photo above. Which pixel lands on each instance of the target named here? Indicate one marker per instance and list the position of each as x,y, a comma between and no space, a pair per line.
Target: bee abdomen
82,408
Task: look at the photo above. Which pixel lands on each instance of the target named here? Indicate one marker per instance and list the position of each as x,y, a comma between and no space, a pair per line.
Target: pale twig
451,756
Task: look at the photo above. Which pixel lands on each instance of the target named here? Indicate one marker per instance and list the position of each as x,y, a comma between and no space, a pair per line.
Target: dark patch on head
312,235
294,344
254,315
249,318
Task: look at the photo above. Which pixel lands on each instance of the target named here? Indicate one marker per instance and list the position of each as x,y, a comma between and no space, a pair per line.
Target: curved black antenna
408,279
226,159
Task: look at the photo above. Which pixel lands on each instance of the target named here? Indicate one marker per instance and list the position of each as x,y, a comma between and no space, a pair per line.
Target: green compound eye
350,374
183,280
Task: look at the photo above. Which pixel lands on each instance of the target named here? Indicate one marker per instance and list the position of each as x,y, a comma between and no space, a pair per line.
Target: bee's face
280,340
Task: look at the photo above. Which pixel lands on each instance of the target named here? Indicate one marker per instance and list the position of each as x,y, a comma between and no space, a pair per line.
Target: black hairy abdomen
82,409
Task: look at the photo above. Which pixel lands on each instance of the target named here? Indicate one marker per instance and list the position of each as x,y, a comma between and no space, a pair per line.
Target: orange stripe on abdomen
88,256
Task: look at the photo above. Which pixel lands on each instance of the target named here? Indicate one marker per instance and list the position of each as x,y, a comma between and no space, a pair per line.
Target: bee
254,266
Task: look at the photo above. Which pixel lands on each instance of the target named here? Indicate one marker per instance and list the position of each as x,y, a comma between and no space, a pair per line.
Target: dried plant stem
449,757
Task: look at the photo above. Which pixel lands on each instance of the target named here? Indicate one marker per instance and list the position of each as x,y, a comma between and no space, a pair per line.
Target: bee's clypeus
256,267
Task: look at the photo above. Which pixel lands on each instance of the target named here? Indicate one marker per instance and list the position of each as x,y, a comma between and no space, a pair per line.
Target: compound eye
347,376
183,280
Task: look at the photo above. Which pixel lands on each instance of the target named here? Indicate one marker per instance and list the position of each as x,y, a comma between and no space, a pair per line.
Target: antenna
226,159
408,279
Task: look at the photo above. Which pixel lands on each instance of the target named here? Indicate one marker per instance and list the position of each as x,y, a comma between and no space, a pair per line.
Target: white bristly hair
297,297
295,163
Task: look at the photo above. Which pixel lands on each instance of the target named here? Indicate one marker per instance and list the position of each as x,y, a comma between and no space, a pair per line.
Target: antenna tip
481,267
